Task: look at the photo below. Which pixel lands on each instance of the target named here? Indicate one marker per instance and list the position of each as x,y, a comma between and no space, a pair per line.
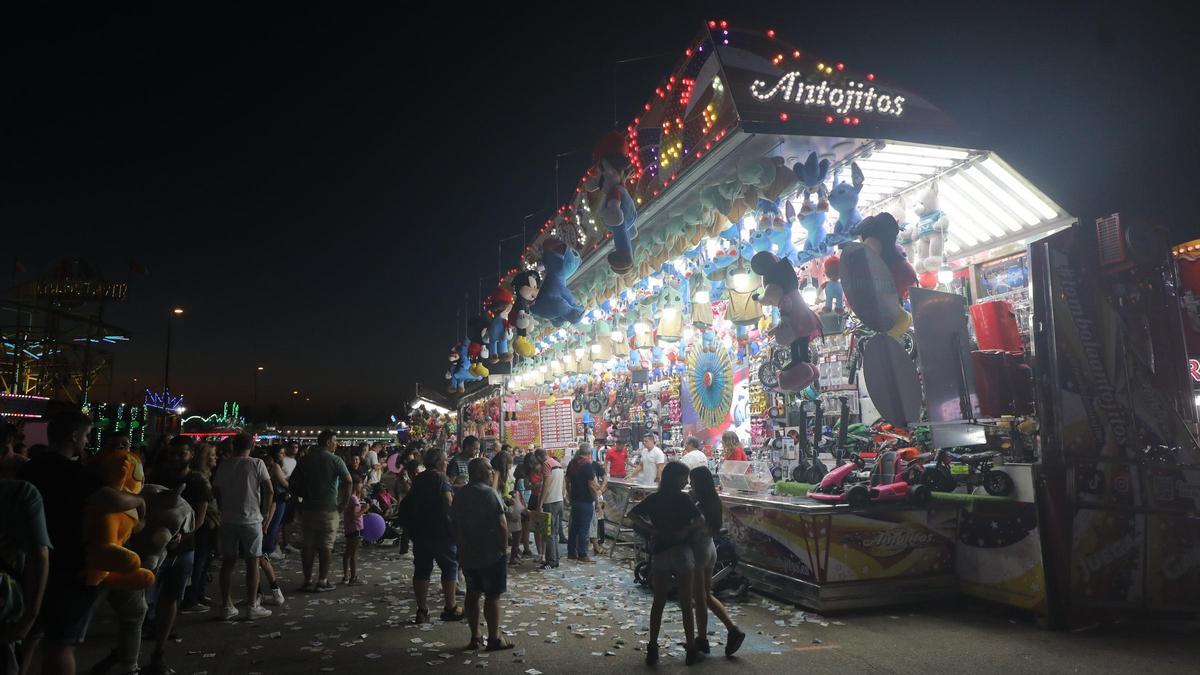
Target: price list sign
558,424
522,422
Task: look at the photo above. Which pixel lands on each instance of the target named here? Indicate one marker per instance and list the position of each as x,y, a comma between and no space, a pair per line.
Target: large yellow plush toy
105,533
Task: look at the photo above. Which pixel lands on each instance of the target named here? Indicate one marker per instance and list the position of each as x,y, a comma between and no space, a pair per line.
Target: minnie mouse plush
798,323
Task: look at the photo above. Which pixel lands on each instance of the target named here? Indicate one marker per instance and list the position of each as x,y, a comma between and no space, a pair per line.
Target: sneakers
355,581
288,548
307,587
276,597
652,654
694,656
586,559
257,612
734,641
195,608
324,586
229,612
277,555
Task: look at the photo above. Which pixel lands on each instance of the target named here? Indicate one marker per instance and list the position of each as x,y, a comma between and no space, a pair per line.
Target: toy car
885,483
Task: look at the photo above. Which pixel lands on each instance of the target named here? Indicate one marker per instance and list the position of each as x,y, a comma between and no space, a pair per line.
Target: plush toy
499,304
615,207
477,329
167,515
844,198
460,368
812,219
554,301
798,324
879,234
105,533
835,297
930,232
525,286
811,173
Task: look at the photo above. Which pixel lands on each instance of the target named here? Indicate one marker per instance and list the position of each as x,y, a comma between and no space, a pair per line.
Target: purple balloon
373,527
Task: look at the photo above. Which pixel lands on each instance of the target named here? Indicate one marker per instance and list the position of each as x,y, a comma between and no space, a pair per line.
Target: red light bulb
829,119
871,76
712,24
770,33
783,117
841,66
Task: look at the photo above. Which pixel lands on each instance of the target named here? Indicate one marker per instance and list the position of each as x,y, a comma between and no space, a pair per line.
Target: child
515,514
352,518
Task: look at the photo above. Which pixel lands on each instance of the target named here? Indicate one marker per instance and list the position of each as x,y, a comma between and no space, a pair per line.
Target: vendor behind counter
649,468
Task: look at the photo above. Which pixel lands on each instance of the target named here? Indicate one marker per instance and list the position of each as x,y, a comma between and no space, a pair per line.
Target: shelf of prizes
943,381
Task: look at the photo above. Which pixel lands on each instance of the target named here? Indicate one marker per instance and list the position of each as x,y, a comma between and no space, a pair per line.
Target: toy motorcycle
950,469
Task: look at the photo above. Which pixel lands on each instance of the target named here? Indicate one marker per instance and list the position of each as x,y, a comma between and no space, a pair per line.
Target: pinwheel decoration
710,383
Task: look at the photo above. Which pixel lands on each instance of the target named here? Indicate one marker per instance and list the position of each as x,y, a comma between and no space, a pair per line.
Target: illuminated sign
793,88
1194,367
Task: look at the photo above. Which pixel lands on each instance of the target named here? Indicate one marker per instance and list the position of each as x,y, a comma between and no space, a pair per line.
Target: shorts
241,541
319,528
492,581
535,502
354,536
704,553
66,610
677,559
174,575
426,552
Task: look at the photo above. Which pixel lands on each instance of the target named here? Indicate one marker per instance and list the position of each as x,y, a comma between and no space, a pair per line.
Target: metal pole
167,366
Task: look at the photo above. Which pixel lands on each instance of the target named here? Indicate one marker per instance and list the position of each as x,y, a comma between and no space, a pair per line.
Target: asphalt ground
593,618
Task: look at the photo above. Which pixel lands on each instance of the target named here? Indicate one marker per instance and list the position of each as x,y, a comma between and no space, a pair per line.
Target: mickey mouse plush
525,288
798,323
555,302
477,329
499,330
616,208
879,233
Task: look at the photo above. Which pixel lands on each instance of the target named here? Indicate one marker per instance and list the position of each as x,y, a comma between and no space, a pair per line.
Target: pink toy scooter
886,483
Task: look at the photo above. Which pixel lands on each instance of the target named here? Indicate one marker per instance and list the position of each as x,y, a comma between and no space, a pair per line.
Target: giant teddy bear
105,533
615,207
555,302
798,324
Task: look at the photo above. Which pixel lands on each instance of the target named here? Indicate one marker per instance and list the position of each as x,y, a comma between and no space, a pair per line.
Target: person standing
584,486
551,503
693,456
481,532
322,482
373,463
649,470
456,470
243,489
10,461
25,556
704,553
732,445
283,496
428,507
615,460
352,520
195,601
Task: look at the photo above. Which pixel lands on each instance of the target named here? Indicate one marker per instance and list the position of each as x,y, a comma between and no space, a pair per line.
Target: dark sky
319,190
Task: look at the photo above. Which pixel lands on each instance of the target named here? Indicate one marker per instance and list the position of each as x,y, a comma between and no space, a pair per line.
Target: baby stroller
724,575
382,502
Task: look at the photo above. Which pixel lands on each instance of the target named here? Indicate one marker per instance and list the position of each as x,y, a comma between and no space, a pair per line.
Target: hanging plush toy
879,234
835,297
812,219
670,313
499,304
778,229
460,368
811,173
616,208
525,287
930,232
554,301
798,324
844,198
477,329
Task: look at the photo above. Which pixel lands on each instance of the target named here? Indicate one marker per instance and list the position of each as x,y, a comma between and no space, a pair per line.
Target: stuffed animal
167,515
525,286
930,232
811,173
844,198
460,368
798,324
616,208
554,301
812,219
835,297
879,234
477,329
499,304
105,533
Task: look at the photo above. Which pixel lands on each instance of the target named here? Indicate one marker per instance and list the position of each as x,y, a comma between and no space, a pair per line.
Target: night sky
319,191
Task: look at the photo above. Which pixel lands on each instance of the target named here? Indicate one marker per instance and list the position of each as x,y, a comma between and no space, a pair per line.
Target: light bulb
579,352
809,295
641,327
595,349
701,296
688,333
945,275
669,313
543,368
741,282
617,336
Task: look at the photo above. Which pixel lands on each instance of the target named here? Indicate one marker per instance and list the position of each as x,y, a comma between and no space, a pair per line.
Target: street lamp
167,368
257,371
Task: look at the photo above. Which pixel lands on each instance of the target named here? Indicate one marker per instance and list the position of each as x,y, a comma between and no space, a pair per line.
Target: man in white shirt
244,493
373,464
649,469
693,456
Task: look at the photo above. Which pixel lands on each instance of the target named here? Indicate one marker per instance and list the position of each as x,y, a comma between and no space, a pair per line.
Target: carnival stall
809,256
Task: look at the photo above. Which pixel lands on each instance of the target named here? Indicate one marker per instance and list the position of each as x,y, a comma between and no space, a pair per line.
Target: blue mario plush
555,302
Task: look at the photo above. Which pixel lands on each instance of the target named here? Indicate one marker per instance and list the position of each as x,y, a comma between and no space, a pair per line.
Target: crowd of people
472,515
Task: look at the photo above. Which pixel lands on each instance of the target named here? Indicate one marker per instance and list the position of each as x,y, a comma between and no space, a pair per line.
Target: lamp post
167,367
257,371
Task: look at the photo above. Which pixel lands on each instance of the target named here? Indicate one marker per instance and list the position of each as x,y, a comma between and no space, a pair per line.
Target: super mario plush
525,286
105,533
555,302
615,207
879,234
460,368
844,198
477,329
798,324
835,297
499,304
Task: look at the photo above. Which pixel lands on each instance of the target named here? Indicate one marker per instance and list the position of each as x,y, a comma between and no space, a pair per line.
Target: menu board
557,423
521,421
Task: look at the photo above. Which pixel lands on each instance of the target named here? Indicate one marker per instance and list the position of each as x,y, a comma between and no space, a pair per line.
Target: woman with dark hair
704,551
274,457
673,521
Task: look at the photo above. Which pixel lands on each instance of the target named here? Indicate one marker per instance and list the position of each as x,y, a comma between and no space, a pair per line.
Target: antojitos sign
841,99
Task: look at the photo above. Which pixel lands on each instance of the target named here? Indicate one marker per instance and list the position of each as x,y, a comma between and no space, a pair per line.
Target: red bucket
996,326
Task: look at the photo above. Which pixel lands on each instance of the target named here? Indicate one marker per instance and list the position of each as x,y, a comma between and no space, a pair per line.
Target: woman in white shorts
704,552
673,521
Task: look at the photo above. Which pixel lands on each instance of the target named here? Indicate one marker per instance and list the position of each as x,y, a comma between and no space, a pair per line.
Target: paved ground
588,618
